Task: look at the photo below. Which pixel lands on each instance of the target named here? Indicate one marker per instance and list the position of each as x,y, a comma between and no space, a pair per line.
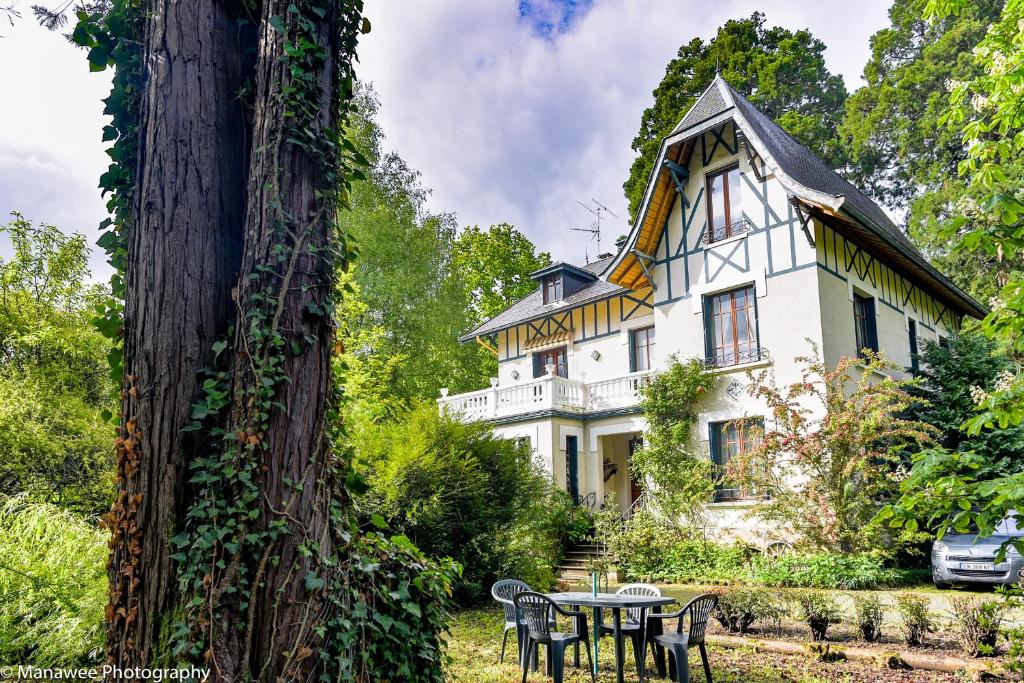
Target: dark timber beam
805,218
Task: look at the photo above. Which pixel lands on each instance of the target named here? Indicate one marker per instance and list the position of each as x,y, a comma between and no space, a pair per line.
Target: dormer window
552,288
725,216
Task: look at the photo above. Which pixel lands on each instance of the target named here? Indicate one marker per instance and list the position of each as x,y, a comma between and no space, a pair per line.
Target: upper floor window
729,440
555,357
864,323
731,327
552,288
641,349
915,364
725,217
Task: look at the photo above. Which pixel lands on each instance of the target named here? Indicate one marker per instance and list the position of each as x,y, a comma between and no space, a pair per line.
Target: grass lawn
475,644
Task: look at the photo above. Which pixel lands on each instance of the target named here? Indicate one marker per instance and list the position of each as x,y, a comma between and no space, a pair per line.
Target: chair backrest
633,614
536,609
505,591
699,610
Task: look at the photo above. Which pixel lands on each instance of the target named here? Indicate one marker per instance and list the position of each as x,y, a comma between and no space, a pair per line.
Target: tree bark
284,275
183,255
225,536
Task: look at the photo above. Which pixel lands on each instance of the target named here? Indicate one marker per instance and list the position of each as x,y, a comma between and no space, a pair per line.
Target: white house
746,244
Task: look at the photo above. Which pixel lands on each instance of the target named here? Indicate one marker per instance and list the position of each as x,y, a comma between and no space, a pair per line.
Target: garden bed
475,642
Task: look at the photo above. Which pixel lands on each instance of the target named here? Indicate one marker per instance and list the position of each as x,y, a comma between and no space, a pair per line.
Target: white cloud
510,126
505,125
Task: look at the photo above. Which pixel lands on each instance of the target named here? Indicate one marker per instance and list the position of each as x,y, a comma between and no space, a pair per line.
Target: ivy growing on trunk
235,542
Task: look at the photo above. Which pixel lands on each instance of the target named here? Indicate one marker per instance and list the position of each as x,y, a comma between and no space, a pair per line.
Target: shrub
53,586
917,619
402,612
458,491
739,608
818,611
976,624
868,609
857,571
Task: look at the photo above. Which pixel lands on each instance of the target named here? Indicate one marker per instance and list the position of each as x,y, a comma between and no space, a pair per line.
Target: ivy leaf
277,23
98,58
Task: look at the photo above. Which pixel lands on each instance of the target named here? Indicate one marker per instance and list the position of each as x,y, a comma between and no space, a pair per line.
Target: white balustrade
548,393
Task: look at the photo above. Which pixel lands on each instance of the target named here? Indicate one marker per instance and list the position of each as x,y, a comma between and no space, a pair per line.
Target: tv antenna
598,209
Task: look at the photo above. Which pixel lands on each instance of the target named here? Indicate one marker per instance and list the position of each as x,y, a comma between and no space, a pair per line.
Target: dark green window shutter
538,364
632,351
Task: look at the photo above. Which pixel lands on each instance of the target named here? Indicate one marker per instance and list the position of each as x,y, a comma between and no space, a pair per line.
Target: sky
513,110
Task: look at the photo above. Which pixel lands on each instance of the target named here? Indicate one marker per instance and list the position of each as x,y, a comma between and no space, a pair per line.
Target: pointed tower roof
805,176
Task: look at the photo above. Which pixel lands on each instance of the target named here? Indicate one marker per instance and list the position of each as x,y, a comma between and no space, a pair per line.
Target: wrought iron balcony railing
724,232
729,357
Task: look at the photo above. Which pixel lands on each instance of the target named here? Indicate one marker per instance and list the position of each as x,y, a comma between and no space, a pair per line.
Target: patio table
616,603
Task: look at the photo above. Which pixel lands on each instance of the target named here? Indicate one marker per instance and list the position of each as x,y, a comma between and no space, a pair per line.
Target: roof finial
718,67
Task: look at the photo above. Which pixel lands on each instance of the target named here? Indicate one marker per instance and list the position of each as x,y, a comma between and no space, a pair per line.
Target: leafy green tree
54,383
783,73
899,152
947,377
964,490
404,275
495,266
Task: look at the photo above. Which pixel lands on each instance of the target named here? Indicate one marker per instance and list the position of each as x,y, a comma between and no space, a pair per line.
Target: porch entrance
635,489
617,454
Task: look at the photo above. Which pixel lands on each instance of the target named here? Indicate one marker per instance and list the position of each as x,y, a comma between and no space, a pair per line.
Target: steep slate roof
797,168
532,306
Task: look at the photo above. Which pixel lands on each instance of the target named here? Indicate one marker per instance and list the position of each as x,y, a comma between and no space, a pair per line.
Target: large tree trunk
286,279
226,536
183,255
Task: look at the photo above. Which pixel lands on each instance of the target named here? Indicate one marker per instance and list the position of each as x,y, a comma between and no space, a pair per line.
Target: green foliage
403,611
417,286
403,278
677,475
852,571
783,73
947,378
648,549
818,610
986,110
918,621
869,614
54,385
977,623
972,477
740,608
842,462
458,491
900,153
495,266
53,586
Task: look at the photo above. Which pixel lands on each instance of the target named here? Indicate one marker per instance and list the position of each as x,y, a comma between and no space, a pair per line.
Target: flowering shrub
844,460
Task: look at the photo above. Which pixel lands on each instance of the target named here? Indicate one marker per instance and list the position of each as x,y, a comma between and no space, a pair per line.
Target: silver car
967,558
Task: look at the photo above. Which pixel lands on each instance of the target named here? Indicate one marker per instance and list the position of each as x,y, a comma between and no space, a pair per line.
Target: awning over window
556,339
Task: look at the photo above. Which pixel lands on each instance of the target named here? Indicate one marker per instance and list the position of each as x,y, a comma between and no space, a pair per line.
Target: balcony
743,356
723,232
548,393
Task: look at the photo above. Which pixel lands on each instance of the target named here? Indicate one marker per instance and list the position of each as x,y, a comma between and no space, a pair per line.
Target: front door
635,489
572,468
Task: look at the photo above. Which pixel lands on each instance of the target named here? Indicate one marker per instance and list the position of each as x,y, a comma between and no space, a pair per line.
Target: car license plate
978,566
